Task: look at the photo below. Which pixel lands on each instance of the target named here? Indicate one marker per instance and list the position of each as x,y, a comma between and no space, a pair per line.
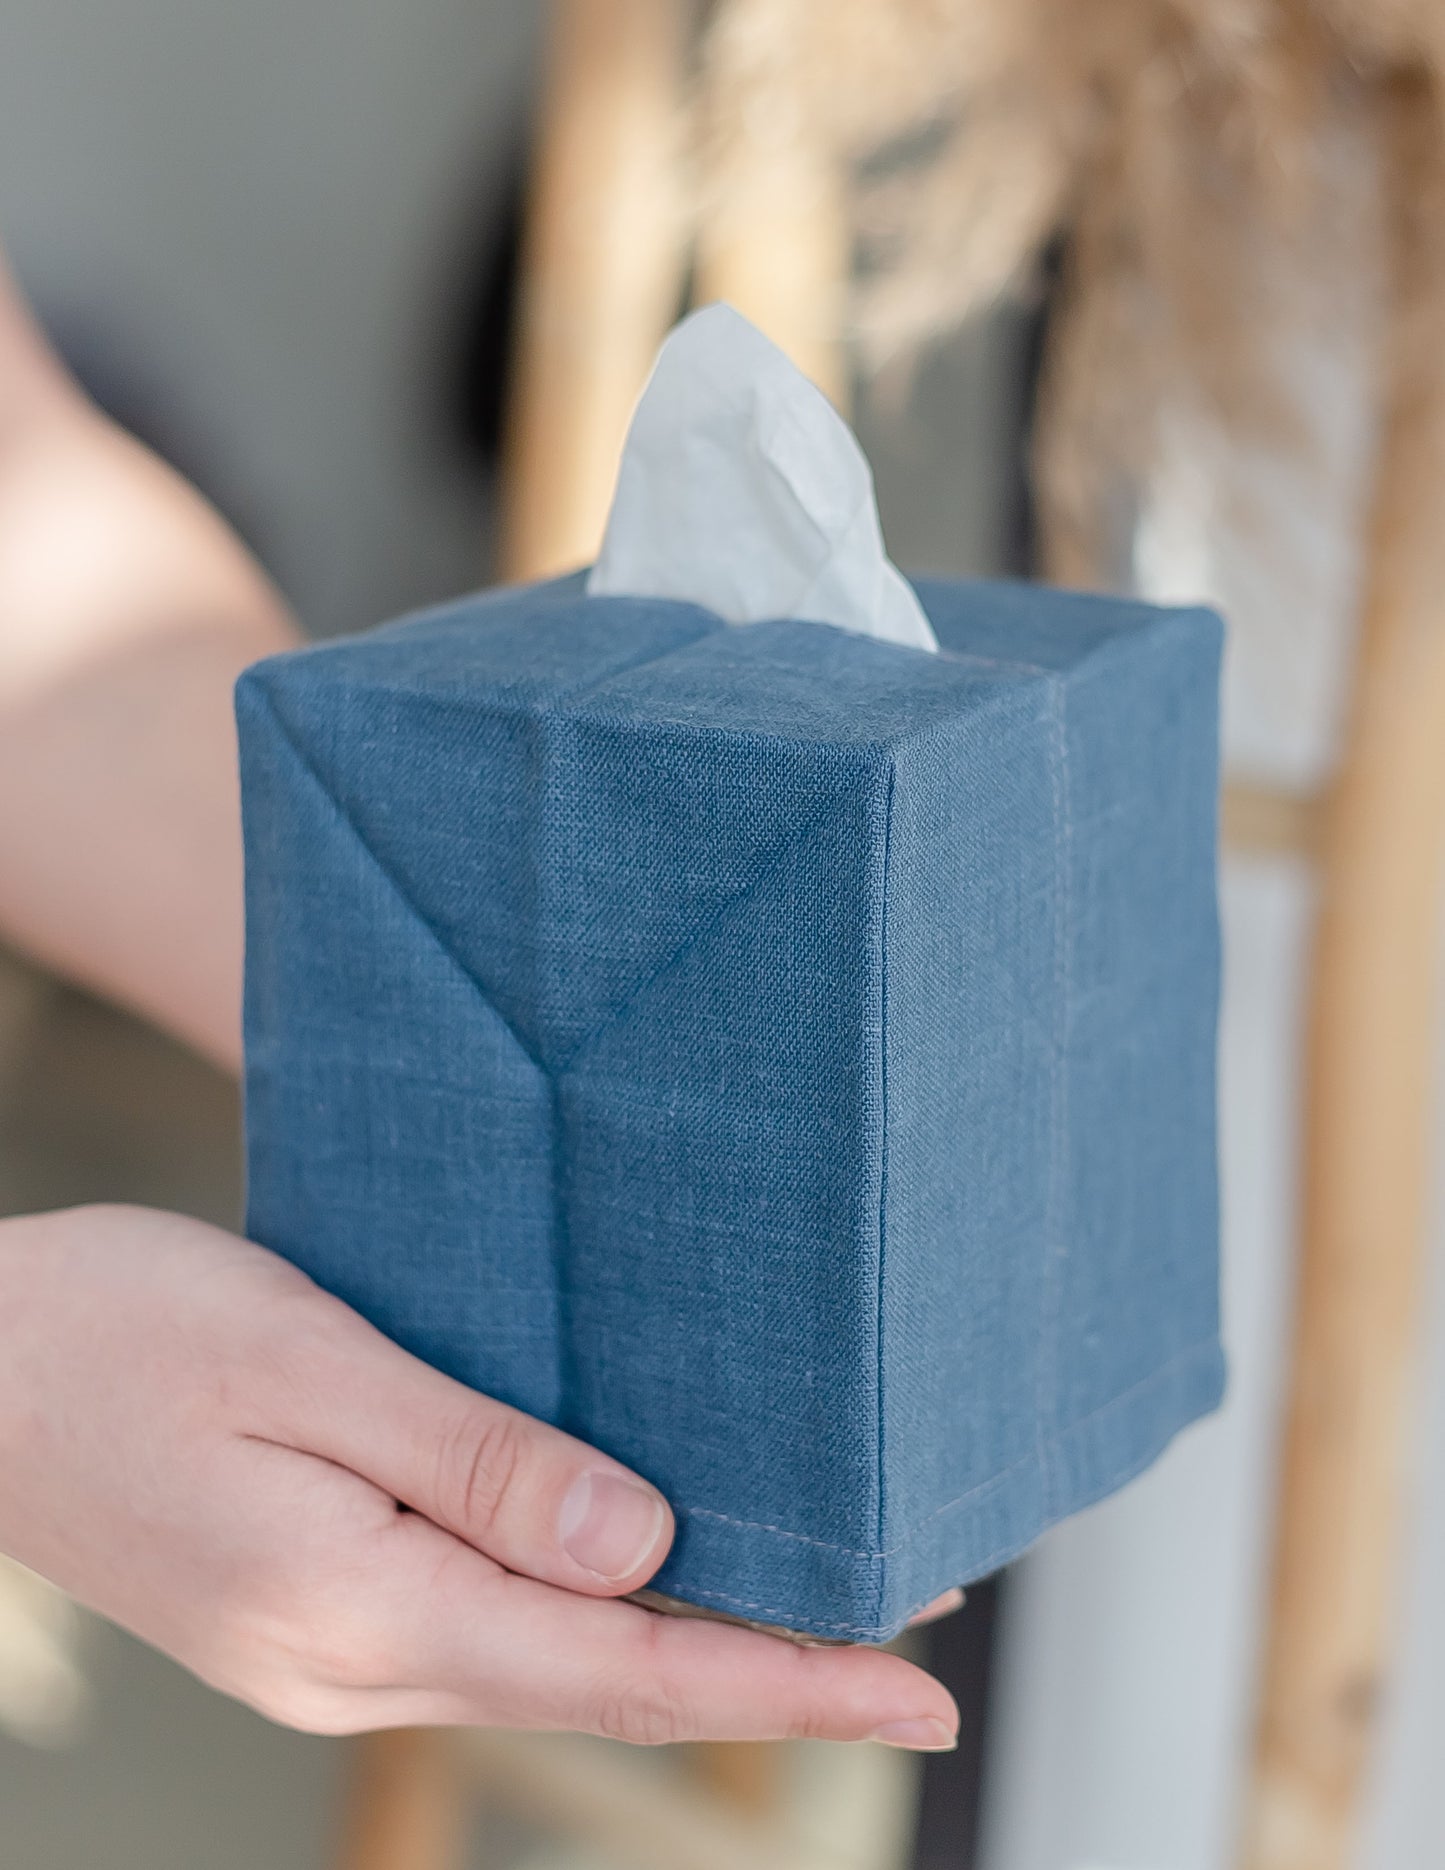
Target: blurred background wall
269,234
253,227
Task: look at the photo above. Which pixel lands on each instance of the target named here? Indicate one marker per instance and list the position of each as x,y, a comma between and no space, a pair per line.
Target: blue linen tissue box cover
783,1059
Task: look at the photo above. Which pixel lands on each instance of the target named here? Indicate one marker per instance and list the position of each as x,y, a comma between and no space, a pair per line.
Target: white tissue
741,488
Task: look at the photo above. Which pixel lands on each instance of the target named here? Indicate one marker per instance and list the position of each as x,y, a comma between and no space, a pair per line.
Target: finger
504,1650
534,1499
943,1605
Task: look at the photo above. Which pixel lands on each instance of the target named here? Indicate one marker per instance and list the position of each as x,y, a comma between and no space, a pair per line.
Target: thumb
532,1498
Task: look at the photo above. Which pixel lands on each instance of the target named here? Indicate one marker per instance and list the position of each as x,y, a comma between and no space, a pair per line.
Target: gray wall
260,209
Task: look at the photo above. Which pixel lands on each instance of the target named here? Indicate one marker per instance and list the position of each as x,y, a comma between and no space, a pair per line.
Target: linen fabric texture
783,1059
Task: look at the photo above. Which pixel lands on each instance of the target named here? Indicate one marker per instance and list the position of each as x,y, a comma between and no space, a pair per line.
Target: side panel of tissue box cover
784,1059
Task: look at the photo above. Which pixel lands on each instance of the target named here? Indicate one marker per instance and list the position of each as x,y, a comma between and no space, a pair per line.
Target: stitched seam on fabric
942,728
1054,1243
994,662
381,870
562,702
878,1632
561,706
563,1346
821,823
786,852
981,1567
883,1167
1157,1376
779,1613
543,705
560,1243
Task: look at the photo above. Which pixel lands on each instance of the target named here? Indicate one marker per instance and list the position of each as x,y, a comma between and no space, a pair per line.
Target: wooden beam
408,1804
1368,1112
603,266
1267,821
631,1806
774,237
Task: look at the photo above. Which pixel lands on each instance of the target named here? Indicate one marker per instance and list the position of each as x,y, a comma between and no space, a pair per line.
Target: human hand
201,1444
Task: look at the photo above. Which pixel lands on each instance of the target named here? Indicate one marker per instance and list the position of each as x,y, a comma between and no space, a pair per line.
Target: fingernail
927,1736
943,1606
609,1525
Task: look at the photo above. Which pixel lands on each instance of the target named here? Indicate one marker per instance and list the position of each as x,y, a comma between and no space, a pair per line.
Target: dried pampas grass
1213,174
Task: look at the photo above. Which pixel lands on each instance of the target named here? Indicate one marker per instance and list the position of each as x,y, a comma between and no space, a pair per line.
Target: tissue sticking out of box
741,488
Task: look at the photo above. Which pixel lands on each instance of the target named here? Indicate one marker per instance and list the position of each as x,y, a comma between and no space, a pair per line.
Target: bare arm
127,609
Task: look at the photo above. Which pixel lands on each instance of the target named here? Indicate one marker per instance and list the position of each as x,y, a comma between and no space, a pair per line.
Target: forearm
127,609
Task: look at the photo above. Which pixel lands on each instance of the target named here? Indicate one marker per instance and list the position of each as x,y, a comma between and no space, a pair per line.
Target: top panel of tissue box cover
782,1056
